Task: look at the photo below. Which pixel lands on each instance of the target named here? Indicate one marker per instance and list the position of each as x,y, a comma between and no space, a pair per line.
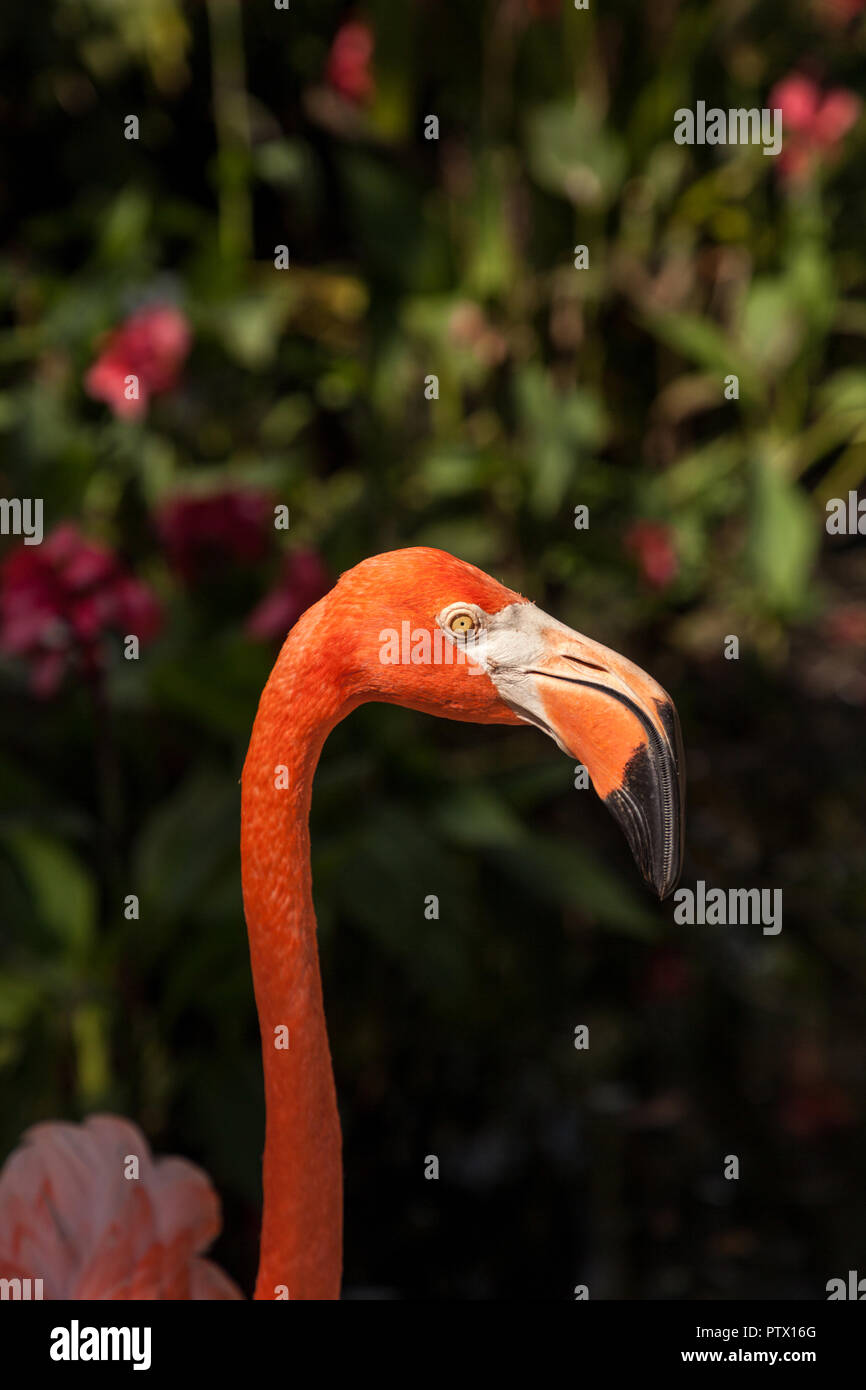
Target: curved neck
302,1219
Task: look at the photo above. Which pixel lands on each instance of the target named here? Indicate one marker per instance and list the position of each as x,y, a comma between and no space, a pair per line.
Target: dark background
557,387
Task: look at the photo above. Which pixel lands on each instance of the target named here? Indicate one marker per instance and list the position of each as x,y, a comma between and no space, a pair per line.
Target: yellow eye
461,624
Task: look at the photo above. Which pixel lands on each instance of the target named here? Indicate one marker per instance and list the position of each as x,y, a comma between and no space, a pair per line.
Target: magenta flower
814,123
200,532
58,600
304,580
652,547
151,346
348,67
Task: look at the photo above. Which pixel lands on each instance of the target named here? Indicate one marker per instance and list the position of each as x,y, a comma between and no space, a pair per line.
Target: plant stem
231,119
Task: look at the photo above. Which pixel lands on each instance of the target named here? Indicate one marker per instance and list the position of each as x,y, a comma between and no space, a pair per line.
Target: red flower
846,625
812,1101
668,976
808,1112
200,532
839,12
58,600
651,545
813,123
151,346
348,66
304,580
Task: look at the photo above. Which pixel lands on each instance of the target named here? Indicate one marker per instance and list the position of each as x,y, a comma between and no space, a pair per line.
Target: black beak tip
664,886
650,807
662,868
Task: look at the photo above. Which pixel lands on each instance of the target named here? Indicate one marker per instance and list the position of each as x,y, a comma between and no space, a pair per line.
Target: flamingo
414,627
86,1212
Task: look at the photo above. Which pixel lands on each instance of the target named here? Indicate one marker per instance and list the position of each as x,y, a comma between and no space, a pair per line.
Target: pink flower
651,545
470,329
152,346
200,533
813,123
348,66
59,599
304,580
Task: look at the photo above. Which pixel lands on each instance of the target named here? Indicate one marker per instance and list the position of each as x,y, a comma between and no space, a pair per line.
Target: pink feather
71,1217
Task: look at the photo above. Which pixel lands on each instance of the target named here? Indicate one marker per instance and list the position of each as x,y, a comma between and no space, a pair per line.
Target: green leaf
772,328
563,874
474,816
62,890
570,153
491,266
185,843
19,998
561,429
698,340
250,326
285,163
470,538
845,393
124,228
783,539
90,1032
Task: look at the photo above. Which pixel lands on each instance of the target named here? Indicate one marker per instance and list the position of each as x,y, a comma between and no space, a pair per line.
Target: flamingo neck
302,1219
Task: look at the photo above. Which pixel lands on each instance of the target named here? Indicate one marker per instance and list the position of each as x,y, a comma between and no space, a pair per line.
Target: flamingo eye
462,623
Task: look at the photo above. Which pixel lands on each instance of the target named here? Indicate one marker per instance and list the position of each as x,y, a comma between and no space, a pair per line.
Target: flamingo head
431,632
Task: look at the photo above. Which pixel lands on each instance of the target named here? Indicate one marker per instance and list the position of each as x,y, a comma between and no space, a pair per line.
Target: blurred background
261,128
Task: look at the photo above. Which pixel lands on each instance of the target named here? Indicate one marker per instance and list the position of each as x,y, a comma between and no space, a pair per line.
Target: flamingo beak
621,725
